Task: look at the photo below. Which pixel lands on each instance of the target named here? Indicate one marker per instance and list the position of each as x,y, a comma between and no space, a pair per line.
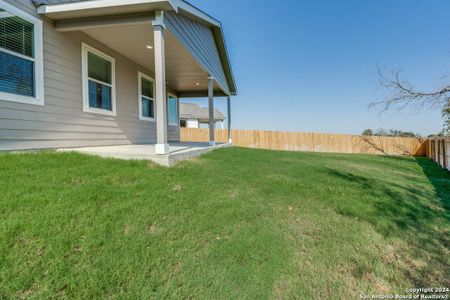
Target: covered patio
180,47
177,152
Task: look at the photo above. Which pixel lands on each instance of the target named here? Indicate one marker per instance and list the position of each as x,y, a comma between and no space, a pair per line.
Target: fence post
448,153
444,154
430,151
434,151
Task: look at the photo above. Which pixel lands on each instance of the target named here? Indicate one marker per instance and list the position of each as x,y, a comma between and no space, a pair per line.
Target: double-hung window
21,56
99,91
146,98
172,110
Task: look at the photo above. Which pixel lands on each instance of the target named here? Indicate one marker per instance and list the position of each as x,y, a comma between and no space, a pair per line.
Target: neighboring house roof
195,111
179,6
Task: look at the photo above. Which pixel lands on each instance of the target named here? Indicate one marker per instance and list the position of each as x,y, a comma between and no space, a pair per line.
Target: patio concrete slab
178,152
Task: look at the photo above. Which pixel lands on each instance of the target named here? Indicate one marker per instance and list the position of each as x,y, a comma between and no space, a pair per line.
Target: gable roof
181,7
195,111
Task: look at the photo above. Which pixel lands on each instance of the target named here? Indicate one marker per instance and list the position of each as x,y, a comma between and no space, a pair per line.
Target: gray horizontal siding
61,122
24,5
198,39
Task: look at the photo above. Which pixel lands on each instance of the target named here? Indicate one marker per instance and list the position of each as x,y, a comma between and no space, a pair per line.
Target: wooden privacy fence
313,142
439,151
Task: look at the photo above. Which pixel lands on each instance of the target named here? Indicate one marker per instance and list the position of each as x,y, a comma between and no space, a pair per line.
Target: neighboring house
192,115
105,72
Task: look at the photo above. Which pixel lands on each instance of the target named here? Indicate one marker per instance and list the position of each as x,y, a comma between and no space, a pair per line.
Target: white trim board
97,4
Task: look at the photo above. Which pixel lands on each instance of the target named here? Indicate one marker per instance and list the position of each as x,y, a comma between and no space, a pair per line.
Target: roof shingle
195,111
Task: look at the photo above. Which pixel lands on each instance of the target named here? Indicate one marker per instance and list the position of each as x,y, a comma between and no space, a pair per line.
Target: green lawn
233,224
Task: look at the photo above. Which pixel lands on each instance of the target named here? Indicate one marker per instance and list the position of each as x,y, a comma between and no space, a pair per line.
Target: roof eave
57,11
225,58
192,11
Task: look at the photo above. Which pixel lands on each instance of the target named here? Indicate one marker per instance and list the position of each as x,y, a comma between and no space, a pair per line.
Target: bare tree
403,95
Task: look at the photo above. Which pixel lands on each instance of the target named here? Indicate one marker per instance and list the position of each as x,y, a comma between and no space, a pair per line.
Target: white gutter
97,4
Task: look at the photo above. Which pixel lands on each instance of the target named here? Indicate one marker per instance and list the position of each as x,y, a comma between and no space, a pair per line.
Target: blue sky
311,65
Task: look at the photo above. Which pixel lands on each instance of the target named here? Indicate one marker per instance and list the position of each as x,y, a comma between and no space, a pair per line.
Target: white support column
230,138
212,141
162,146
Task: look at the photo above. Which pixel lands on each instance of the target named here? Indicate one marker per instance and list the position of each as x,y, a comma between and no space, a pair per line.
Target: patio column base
162,149
212,143
230,141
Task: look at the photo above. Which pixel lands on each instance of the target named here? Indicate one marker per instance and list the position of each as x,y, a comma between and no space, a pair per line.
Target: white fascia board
98,4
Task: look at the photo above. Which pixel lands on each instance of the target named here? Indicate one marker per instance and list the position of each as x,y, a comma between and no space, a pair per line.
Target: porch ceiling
183,73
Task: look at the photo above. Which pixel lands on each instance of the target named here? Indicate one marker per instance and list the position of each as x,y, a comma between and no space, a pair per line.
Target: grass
234,224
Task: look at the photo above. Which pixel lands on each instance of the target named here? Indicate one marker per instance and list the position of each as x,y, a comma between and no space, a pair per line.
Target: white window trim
178,110
141,117
84,69
38,59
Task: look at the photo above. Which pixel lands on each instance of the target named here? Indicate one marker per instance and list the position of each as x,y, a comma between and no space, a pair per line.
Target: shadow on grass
439,178
412,212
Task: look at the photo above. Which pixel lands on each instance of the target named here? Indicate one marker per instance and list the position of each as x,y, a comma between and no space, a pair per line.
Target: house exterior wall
192,123
61,122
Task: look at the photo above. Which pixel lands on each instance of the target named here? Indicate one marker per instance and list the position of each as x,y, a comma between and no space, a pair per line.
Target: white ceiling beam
100,22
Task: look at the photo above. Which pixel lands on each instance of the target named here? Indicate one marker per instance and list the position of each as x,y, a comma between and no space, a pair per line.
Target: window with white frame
99,91
21,56
146,97
172,110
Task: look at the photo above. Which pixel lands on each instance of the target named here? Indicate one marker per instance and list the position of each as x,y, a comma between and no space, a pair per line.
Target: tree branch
403,95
